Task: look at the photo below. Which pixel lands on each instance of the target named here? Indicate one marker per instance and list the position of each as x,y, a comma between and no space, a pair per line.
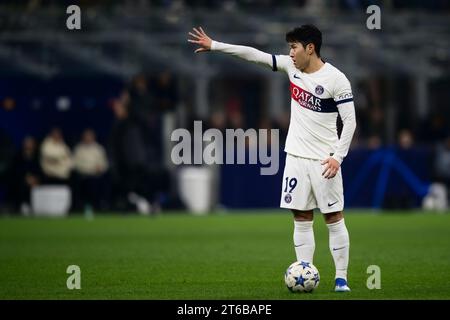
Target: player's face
299,55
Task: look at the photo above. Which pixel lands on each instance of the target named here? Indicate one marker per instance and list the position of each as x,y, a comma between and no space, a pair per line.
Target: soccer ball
302,276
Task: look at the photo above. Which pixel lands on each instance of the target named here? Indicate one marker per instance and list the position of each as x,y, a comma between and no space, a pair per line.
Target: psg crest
288,198
319,90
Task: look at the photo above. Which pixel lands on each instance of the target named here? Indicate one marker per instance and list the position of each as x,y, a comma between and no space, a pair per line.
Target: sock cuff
336,226
303,225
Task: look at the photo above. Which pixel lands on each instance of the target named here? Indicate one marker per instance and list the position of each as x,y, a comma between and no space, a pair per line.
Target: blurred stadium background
85,123
128,78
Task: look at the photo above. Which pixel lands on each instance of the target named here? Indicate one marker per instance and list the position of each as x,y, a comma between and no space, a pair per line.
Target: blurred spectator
442,162
143,111
435,128
139,99
89,156
56,158
405,139
25,174
374,142
233,109
6,154
376,125
218,120
138,173
91,165
166,92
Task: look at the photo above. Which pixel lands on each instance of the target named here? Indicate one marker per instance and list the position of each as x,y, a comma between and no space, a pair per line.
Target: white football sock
304,240
339,247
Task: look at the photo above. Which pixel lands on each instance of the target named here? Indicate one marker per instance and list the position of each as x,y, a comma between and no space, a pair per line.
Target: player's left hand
331,168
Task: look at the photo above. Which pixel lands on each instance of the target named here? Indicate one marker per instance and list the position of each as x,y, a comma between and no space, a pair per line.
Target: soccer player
312,176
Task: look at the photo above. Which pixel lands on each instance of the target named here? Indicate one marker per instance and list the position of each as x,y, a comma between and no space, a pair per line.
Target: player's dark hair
306,34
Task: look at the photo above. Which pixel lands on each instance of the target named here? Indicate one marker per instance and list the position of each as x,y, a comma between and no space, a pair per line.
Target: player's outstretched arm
199,37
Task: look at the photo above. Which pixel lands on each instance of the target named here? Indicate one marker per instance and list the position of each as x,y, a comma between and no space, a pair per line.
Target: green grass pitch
242,255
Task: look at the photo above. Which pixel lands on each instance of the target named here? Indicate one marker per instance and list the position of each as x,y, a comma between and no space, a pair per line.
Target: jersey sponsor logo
319,90
309,101
288,198
305,99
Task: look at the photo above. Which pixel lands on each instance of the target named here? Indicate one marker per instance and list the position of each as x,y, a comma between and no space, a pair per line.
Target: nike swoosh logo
299,245
336,249
331,204
296,77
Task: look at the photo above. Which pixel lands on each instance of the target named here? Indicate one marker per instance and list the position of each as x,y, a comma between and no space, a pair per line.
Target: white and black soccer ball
302,276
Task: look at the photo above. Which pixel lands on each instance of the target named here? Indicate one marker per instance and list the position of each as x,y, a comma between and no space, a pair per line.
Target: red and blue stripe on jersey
309,101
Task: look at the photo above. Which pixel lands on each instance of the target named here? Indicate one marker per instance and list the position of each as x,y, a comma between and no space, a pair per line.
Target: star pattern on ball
299,281
305,264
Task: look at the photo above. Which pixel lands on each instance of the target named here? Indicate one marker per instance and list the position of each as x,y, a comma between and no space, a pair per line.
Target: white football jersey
315,98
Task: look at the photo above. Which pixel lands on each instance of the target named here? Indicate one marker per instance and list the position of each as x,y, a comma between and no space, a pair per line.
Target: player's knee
333,217
303,215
